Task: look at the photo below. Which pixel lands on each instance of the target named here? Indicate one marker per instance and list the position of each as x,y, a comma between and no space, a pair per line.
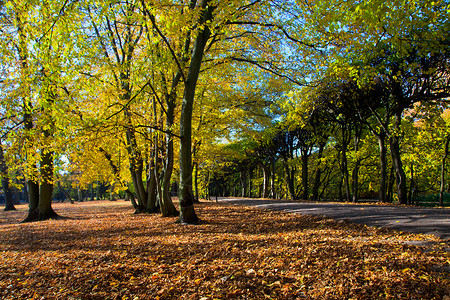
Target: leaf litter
101,250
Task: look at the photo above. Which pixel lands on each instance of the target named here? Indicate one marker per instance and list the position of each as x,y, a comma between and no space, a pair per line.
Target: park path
434,221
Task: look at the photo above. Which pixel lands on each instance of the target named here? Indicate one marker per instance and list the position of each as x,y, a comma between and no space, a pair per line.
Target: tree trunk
136,162
32,185
187,211
315,191
66,194
355,183
266,179
391,185
44,209
79,194
130,196
97,192
112,197
383,174
399,172
305,158
45,196
166,200
196,199
206,192
134,154
411,185
250,183
444,158
92,192
345,175
290,180
9,201
355,172
272,179
243,182
151,187
116,174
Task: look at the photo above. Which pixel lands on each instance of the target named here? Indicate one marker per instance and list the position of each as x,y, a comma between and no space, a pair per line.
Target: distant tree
9,203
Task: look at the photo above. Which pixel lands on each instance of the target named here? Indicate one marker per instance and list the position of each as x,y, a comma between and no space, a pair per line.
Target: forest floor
101,250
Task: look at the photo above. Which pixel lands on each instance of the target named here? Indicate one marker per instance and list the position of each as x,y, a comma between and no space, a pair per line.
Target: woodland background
312,100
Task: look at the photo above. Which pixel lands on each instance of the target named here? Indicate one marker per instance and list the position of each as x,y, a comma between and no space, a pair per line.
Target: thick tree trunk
9,201
187,211
44,210
394,141
33,194
399,172
45,196
444,158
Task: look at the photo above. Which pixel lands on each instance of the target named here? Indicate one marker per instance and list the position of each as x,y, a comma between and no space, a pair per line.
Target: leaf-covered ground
103,251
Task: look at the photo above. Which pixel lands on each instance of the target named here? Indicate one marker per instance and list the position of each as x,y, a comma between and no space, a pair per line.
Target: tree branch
164,38
259,65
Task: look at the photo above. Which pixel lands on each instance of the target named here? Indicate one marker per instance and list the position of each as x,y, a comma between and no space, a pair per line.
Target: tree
9,204
36,43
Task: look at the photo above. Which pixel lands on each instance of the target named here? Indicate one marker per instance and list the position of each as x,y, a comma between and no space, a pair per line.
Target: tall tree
34,34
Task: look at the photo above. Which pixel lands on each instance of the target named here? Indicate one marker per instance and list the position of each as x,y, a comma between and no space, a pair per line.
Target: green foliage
323,80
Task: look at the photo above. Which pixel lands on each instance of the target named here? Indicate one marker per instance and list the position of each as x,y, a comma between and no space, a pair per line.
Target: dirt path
434,221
